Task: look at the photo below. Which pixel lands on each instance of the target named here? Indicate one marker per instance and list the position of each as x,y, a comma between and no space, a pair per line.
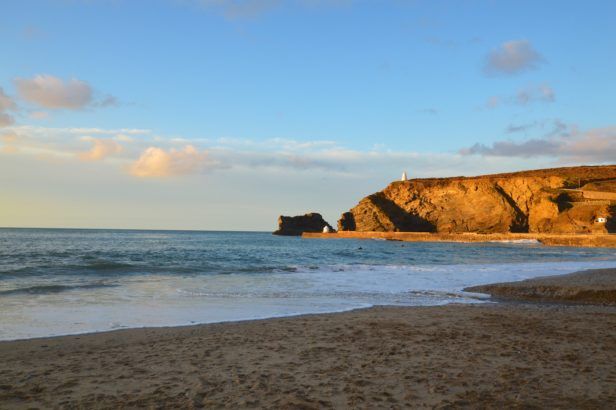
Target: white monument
326,229
404,178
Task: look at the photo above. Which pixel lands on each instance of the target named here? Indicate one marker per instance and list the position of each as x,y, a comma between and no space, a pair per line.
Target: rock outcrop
296,225
596,286
549,200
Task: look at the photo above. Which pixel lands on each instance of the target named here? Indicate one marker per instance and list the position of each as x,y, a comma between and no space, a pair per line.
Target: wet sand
489,355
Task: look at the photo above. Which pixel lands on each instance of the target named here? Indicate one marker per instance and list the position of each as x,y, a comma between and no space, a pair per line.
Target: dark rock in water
296,225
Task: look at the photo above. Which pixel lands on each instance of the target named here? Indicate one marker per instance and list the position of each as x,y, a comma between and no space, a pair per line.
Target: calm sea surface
55,281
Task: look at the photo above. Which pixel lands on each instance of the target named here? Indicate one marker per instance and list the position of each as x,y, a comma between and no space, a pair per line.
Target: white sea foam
167,300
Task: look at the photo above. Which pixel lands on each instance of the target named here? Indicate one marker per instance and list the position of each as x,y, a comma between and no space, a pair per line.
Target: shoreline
575,240
493,293
457,355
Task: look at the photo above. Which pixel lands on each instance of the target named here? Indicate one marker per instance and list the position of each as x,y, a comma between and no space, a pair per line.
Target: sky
224,114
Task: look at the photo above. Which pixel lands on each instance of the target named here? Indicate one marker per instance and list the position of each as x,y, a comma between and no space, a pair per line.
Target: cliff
558,200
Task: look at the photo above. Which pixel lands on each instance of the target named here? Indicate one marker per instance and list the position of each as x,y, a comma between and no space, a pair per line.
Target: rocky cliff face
532,201
296,225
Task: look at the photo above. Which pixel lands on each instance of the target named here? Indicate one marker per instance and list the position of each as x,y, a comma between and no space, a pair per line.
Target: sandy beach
491,355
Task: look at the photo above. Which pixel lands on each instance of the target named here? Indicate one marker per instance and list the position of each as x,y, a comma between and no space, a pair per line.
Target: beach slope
496,355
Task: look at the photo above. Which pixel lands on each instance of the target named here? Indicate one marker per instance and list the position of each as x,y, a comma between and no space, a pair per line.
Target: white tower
404,178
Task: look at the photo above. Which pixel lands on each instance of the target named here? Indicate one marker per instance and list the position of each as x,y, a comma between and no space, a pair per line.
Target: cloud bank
144,155
570,145
512,57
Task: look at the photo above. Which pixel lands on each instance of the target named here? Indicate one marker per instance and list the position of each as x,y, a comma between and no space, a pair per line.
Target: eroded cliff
559,200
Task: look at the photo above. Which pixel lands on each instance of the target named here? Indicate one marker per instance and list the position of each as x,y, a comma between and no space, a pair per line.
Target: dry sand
494,356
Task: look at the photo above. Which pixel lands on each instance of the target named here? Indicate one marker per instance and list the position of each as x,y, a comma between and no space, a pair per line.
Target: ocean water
55,281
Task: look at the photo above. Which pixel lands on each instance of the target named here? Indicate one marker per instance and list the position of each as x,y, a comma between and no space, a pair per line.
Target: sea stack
296,225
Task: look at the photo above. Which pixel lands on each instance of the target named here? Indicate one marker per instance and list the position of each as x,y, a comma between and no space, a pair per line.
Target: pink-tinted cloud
54,93
157,162
101,149
8,141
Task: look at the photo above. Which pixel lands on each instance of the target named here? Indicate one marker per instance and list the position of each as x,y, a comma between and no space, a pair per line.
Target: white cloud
68,142
123,138
102,131
512,57
101,149
157,162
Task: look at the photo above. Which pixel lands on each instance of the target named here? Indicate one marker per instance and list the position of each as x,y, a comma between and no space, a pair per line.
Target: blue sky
172,105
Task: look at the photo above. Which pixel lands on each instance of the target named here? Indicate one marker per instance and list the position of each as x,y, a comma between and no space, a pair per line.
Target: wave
105,265
96,267
49,289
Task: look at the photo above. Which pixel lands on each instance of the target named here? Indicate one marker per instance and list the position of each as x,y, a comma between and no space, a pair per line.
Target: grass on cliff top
605,175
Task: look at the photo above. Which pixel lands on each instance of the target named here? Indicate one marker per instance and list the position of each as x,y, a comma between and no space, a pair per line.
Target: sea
70,281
